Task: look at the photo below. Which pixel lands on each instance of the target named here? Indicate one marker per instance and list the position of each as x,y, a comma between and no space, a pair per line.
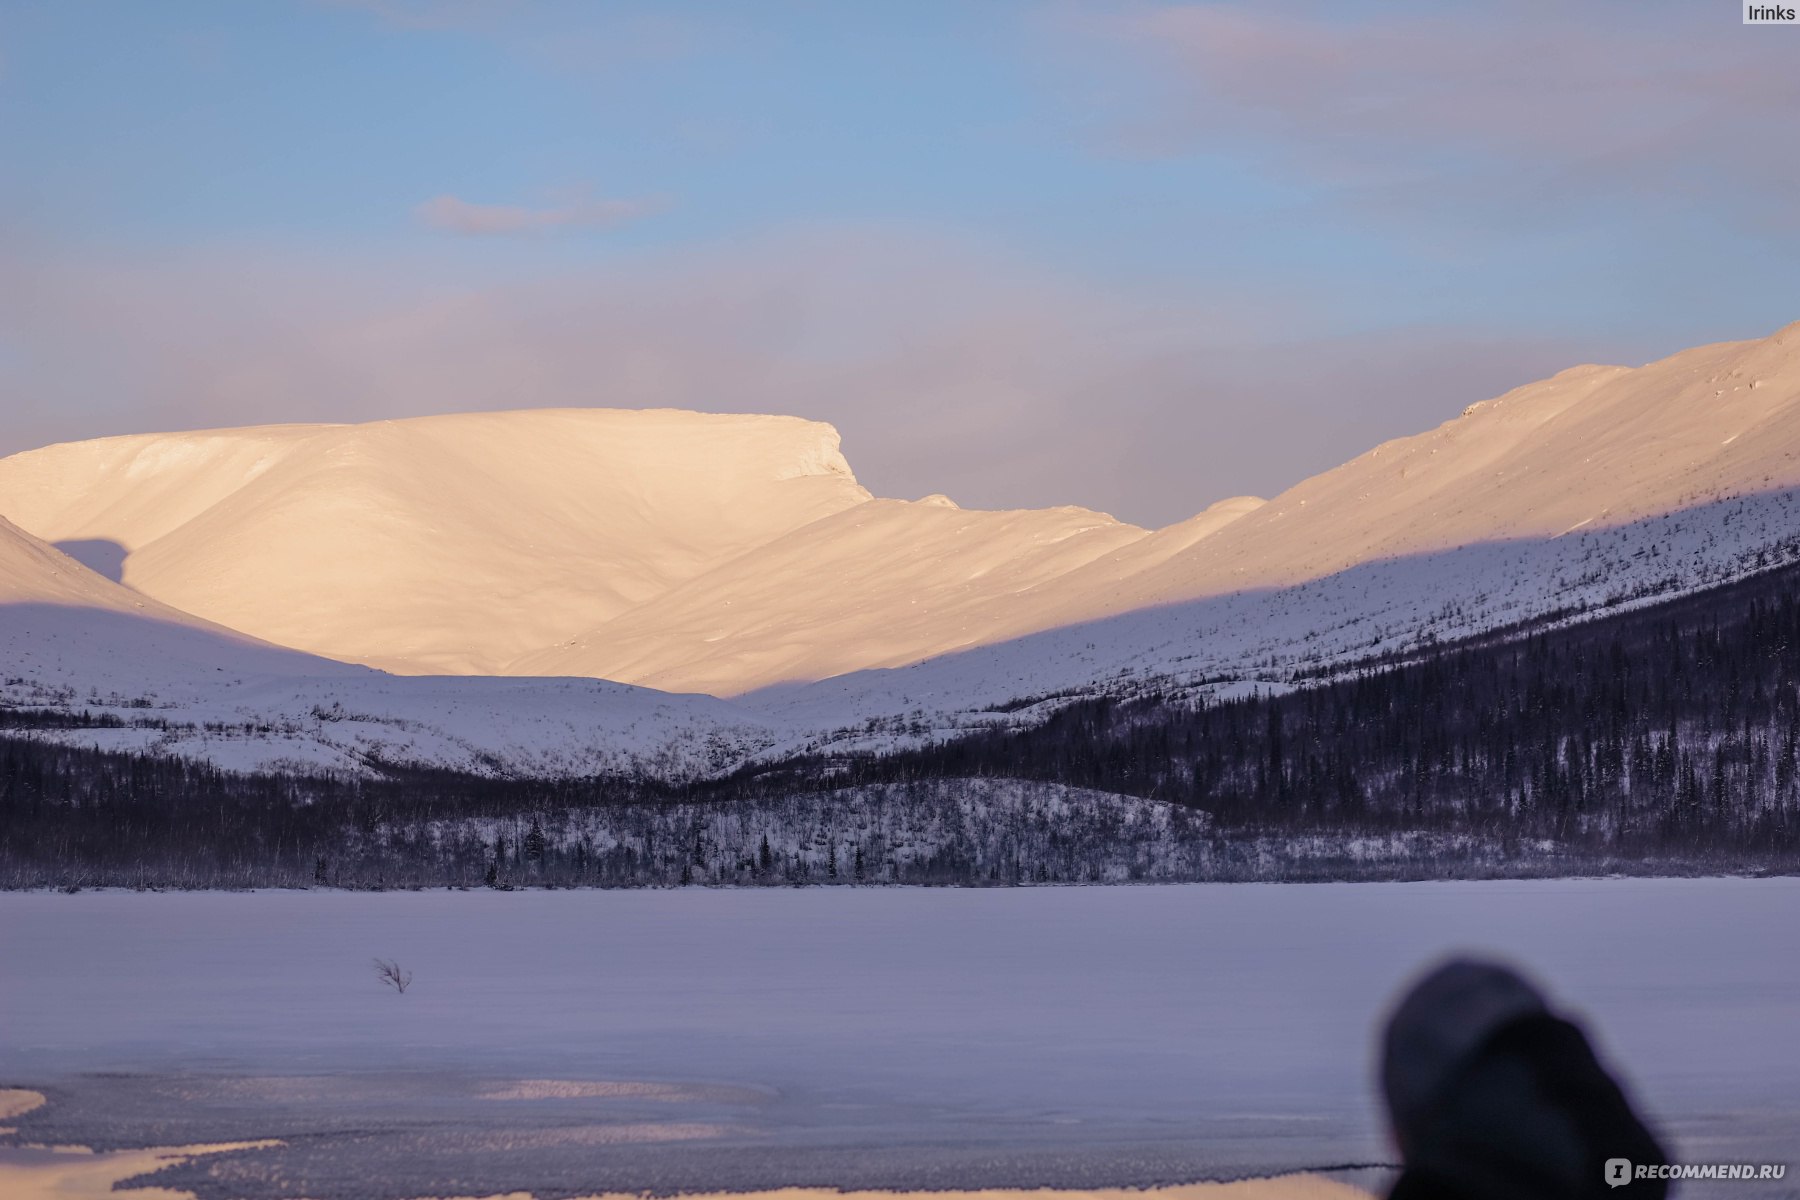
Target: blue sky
1134,256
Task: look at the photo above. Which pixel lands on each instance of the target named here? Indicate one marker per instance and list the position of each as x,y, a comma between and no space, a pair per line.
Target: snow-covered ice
848,1037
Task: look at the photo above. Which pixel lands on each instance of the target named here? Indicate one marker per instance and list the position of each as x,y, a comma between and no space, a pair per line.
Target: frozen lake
700,1040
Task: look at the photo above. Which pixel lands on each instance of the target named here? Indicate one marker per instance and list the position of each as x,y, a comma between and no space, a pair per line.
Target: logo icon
1618,1172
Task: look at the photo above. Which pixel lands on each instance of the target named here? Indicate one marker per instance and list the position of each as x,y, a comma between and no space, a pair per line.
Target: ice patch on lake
77,1173
569,1089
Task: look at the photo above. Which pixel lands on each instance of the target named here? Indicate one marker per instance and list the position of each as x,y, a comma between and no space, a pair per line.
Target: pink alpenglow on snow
738,556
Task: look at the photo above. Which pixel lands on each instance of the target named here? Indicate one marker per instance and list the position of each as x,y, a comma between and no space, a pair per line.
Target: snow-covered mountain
738,556
444,544
682,550
1589,448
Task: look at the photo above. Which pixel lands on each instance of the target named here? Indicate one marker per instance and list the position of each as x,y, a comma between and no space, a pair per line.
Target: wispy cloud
453,214
1506,111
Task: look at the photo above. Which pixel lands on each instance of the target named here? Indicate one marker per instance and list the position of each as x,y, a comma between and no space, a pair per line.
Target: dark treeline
1666,739
72,815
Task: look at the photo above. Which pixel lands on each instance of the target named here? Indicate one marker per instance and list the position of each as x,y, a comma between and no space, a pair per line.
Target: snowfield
697,1040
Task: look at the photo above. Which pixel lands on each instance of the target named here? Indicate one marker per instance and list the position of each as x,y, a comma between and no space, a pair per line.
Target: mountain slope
34,573
450,543
881,585
1273,639
1671,728
135,674
1591,447
885,583
51,604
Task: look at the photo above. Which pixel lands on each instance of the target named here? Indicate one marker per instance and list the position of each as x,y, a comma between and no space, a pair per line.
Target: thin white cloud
452,214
